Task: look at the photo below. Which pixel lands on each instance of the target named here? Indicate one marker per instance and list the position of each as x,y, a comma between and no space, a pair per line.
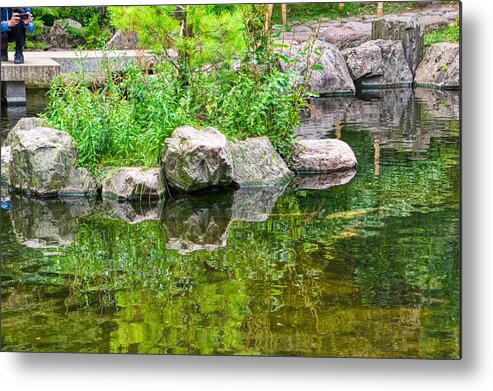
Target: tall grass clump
122,121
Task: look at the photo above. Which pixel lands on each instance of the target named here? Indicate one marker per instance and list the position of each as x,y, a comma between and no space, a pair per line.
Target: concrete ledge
40,68
36,71
14,93
91,61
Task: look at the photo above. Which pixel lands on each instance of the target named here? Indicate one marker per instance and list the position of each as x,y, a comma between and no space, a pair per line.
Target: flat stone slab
38,71
90,60
40,68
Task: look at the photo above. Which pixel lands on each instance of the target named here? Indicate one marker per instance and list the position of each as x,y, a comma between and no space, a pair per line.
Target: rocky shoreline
42,162
381,53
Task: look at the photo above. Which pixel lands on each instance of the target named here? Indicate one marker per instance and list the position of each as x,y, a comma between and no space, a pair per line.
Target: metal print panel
252,179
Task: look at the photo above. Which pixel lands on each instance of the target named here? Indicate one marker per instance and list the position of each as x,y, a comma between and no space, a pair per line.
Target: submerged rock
326,155
256,163
47,223
378,64
332,79
323,181
5,158
133,183
440,67
406,29
194,160
42,160
27,123
198,222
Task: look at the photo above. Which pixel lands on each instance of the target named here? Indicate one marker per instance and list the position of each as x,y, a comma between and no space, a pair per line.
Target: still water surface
361,264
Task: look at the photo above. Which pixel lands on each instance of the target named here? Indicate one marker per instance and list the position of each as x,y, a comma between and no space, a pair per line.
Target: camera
23,15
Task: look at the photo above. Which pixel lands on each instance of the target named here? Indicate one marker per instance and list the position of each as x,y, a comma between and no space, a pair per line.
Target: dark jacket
7,15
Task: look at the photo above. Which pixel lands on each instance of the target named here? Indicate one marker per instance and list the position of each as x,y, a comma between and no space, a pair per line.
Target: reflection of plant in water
355,270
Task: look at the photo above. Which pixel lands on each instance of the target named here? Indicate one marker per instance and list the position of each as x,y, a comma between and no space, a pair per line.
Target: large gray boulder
133,183
333,79
80,183
326,155
440,67
65,34
379,64
194,160
27,123
256,163
344,36
122,40
299,34
406,29
5,158
41,161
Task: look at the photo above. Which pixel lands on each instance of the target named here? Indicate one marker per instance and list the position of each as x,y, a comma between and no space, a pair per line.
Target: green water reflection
369,268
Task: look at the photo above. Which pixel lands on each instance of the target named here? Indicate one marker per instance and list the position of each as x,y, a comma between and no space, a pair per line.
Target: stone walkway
353,31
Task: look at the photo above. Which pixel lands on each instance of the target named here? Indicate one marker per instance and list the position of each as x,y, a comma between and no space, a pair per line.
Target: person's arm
5,22
30,25
12,22
5,26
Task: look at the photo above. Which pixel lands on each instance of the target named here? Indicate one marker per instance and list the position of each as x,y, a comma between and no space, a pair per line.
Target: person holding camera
14,24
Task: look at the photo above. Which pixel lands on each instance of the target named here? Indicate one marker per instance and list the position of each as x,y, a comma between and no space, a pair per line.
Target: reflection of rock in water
131,212
323,181
202,221
255,204
198,222
368,109
396,119
439,103
47,223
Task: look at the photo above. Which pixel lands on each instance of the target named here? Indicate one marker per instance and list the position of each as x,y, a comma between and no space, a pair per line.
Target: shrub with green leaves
124,120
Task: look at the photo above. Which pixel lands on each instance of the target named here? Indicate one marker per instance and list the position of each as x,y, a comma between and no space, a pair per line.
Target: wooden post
380,9
283,14
268,17
341,6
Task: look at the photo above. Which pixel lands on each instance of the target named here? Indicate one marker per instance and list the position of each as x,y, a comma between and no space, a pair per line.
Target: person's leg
19,32
20,38
4,45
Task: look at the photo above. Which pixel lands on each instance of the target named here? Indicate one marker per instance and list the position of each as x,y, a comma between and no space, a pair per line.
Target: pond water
361,264
36,101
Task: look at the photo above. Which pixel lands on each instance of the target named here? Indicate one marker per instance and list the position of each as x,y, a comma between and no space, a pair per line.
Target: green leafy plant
125,119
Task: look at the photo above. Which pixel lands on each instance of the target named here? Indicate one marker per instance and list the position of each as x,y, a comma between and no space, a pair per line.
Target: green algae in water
370,268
